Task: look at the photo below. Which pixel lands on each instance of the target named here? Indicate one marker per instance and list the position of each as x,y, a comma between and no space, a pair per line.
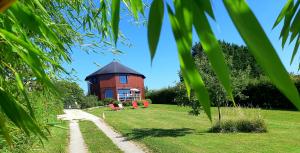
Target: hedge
261,94
266,95
162,96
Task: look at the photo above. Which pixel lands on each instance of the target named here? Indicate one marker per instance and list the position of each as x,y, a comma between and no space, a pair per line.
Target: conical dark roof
114,68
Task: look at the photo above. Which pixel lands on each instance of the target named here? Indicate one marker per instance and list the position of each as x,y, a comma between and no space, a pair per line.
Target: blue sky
164,69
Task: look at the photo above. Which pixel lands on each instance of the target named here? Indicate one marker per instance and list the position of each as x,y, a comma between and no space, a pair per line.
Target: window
108,93
123,94
89,89
123,79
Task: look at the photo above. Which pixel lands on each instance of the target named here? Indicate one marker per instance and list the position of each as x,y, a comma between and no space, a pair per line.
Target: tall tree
239,55
241,64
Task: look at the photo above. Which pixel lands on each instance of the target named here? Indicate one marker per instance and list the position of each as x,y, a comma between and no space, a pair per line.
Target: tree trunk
219,111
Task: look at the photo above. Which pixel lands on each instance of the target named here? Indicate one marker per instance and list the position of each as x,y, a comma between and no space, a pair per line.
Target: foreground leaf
295,49
4,130
24,16
21,88
115,19
136,7
30,57
283,12
212,48
188,68
17,114
204,6
261,48
156,16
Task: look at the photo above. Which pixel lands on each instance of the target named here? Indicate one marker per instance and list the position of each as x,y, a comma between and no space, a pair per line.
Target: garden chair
112,106
146,103
134,104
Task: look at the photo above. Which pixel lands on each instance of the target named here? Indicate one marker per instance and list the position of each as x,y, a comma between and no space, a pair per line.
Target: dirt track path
117,139
77,144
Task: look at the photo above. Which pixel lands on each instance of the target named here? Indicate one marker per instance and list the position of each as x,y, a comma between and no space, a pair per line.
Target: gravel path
117,139
76,141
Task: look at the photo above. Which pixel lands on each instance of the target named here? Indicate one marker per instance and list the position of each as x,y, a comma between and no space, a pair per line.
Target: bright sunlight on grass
96,140
169,128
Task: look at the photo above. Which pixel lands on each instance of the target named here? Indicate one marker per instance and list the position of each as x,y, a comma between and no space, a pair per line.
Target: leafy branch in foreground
38,35
262,49
290,13
35,39
190,13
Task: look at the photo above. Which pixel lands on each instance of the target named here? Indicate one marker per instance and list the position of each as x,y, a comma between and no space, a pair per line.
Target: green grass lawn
96,140
57,141
169,128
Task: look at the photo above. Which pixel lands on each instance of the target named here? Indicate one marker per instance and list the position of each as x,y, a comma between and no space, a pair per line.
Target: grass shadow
142,133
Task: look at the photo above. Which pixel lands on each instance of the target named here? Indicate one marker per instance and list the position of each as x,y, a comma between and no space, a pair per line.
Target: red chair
134,104
146,103
112,106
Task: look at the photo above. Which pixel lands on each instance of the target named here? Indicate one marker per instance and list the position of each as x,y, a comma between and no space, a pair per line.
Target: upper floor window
123,79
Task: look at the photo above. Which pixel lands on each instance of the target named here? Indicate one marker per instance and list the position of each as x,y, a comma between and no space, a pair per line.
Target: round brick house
116,81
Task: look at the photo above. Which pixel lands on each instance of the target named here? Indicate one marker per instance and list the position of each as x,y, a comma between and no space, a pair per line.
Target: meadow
169,128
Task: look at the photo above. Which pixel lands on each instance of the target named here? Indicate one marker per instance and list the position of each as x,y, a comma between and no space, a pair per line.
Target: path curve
125,145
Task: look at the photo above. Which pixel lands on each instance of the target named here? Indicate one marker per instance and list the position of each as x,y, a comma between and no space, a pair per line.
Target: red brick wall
134,81
112,81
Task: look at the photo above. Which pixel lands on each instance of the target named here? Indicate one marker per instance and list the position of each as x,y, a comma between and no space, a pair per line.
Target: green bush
258,92
140,103
89,101
149,101
72,94
238,119
162,96
46,107
241,125
116,102
262,93
107,101
127,103
100,103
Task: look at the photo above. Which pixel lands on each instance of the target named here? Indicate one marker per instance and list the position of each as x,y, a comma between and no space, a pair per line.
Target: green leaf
295,26
17,114
285,31
156,16
24,16
38,3
115,19
30,57
134,9
189,70
212,49
283,12
295,49
186,83
136,6
21,88
287,23
288,16
205,6
261,48
4,130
